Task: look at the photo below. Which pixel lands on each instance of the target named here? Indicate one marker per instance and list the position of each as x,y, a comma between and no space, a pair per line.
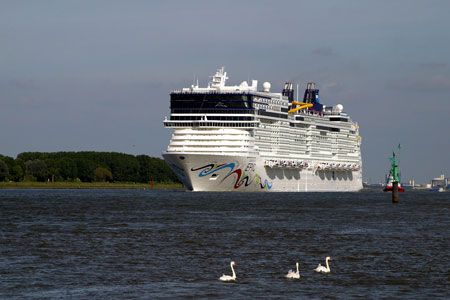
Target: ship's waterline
239,138
248,174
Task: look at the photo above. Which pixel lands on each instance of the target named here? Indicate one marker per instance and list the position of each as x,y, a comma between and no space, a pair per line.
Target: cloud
18,92
433,66
334,91
324,51
437,83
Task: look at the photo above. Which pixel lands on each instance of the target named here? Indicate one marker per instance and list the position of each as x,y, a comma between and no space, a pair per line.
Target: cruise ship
248,139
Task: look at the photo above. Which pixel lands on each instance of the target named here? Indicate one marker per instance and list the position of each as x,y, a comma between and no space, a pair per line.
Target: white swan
228,277
293,275
322,269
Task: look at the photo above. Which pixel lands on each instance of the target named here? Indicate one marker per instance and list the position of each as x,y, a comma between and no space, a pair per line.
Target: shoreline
88,185
120,185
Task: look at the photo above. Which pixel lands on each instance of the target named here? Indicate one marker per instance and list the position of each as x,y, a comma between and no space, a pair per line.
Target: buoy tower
395,180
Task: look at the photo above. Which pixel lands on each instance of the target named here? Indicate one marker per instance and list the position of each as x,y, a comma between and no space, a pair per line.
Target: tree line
86,166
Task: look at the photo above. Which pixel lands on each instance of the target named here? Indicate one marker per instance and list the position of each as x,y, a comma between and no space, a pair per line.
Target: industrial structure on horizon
440,183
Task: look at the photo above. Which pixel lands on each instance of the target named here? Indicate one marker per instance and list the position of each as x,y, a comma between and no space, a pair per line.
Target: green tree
124,167
29,178
102,174
17,173
67,167
4,170
9,161
86,170
21,163
26,156
156,168
36,168
83,165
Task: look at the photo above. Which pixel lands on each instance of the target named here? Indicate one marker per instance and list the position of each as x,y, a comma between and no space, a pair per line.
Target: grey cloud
324,51
437,83
433,66
338,92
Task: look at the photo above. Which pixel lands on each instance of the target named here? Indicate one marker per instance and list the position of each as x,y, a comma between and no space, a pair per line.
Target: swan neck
232,270
326,261
297,268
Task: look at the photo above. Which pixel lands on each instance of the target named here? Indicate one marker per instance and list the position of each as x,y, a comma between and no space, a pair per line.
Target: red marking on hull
389,189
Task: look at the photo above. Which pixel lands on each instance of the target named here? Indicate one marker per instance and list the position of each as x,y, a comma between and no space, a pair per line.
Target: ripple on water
168,244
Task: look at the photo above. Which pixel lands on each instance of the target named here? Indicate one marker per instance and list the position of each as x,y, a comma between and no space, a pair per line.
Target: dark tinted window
339,119
328,128
217,101
271,114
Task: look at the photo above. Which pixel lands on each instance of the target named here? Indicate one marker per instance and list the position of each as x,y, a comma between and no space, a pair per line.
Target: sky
96,75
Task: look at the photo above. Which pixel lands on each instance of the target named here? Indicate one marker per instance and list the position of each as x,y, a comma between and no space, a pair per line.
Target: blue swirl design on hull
241,177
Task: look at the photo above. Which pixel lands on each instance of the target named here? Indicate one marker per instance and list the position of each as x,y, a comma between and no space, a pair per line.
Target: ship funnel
311,93
288,91
312,96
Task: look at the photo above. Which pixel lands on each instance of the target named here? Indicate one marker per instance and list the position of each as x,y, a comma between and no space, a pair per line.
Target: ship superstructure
240,138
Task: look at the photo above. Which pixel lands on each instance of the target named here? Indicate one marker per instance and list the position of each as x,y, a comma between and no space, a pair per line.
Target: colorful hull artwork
242,178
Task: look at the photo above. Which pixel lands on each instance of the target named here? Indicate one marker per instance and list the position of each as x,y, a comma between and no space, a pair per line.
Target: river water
158,244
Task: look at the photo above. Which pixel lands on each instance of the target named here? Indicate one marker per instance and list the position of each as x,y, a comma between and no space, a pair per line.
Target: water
147,244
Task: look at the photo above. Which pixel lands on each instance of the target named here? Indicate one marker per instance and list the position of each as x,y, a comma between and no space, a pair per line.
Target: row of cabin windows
210,118
211,111
212,124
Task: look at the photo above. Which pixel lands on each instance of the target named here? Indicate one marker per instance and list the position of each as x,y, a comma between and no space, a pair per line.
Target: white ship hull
204,172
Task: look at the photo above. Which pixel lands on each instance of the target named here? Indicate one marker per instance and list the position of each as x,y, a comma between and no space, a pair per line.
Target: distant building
439,181
410,185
